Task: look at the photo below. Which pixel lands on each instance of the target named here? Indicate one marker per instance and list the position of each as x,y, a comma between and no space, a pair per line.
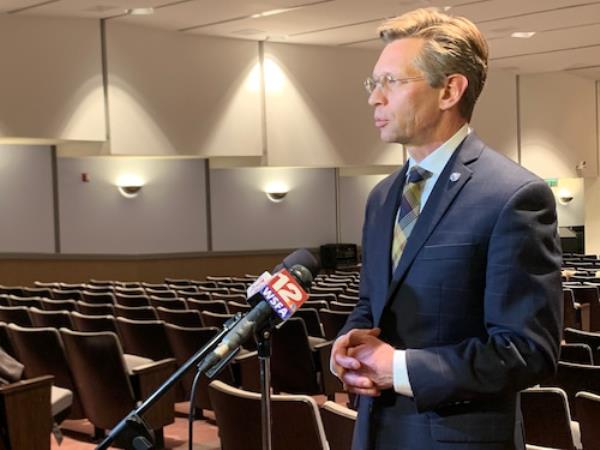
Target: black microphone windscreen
304,258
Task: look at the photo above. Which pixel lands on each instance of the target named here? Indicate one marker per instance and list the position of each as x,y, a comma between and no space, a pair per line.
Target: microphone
277,300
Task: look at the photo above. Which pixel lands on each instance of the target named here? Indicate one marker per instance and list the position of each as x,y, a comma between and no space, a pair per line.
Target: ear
453,90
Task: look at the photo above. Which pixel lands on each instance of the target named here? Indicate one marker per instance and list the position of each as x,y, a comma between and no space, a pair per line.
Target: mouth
380,123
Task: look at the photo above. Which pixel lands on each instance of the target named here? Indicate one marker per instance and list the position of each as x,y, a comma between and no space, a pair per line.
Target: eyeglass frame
386,80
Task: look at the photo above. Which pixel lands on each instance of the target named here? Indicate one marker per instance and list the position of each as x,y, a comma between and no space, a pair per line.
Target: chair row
324,323
105,384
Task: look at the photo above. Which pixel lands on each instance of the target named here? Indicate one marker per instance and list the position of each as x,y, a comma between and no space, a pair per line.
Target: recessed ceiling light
271,12
523,34
140,11
447,8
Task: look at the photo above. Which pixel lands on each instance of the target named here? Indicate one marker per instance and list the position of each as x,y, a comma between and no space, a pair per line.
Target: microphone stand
264,358
132,430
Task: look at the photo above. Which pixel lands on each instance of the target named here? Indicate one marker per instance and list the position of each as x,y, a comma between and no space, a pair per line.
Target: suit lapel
442,196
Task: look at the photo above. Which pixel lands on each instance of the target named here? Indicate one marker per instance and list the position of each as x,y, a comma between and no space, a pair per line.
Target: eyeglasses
387,80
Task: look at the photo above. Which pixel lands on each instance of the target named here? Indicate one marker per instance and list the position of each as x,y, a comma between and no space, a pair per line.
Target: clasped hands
363,362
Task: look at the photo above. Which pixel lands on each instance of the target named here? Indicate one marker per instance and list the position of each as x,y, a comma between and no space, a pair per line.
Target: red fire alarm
85,178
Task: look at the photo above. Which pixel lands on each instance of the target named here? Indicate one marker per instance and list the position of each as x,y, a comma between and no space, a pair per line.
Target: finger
346,362
363,338
372,392
357,380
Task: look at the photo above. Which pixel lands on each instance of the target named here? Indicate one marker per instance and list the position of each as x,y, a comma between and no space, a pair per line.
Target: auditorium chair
340,306
52,319
214,320
170,303
59,305
155,286
156,293
316,304
127,285
216,306
589,295
181,317
571,311
145,338
138,291
576,353
323,297
46,284
15,314
108,390
547,419
212,290
131,300
184,343
241,298
195,294
28,302
136,312
11,290
95,309
333,322
573,378
72,286
295,366
588,415
572,336
87,323
338,422
41,351
178,281
62,294
106,297
312,320
296,423
4,300
236,307
36,292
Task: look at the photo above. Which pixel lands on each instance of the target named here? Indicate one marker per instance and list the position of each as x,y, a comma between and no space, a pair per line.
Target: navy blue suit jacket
476,300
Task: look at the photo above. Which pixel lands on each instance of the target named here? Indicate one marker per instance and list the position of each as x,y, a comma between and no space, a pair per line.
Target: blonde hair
451,45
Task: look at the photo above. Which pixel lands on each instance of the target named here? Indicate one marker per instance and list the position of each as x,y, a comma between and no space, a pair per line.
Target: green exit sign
552,182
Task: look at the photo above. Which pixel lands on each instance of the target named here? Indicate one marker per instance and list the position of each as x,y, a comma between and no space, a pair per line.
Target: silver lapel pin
454,176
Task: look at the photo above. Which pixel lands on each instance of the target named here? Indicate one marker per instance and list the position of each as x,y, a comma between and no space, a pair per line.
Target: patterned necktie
410,206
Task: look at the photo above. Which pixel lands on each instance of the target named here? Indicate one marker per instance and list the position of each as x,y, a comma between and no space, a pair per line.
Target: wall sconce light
564,196
129,185
276,191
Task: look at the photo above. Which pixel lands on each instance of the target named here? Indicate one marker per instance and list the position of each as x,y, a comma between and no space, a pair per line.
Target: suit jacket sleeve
522,311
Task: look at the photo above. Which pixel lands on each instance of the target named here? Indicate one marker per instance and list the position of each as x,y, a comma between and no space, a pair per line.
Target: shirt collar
436,160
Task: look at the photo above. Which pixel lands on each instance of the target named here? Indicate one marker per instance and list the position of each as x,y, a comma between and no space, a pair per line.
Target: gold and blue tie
408,212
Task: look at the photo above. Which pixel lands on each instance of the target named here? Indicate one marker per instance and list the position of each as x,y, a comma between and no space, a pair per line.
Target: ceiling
567,32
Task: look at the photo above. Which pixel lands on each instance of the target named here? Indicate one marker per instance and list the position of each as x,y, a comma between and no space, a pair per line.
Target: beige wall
51,86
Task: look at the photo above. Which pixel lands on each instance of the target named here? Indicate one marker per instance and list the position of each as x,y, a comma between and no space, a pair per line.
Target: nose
376,97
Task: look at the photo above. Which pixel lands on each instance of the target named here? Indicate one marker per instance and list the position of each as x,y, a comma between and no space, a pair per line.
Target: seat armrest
322,345
153,366
145,380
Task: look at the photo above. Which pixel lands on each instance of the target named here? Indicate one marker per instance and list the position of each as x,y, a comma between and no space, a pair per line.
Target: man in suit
460,296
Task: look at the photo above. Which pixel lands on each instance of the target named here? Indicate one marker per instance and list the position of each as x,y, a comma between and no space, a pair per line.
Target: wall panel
243,218
167,216
26,199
